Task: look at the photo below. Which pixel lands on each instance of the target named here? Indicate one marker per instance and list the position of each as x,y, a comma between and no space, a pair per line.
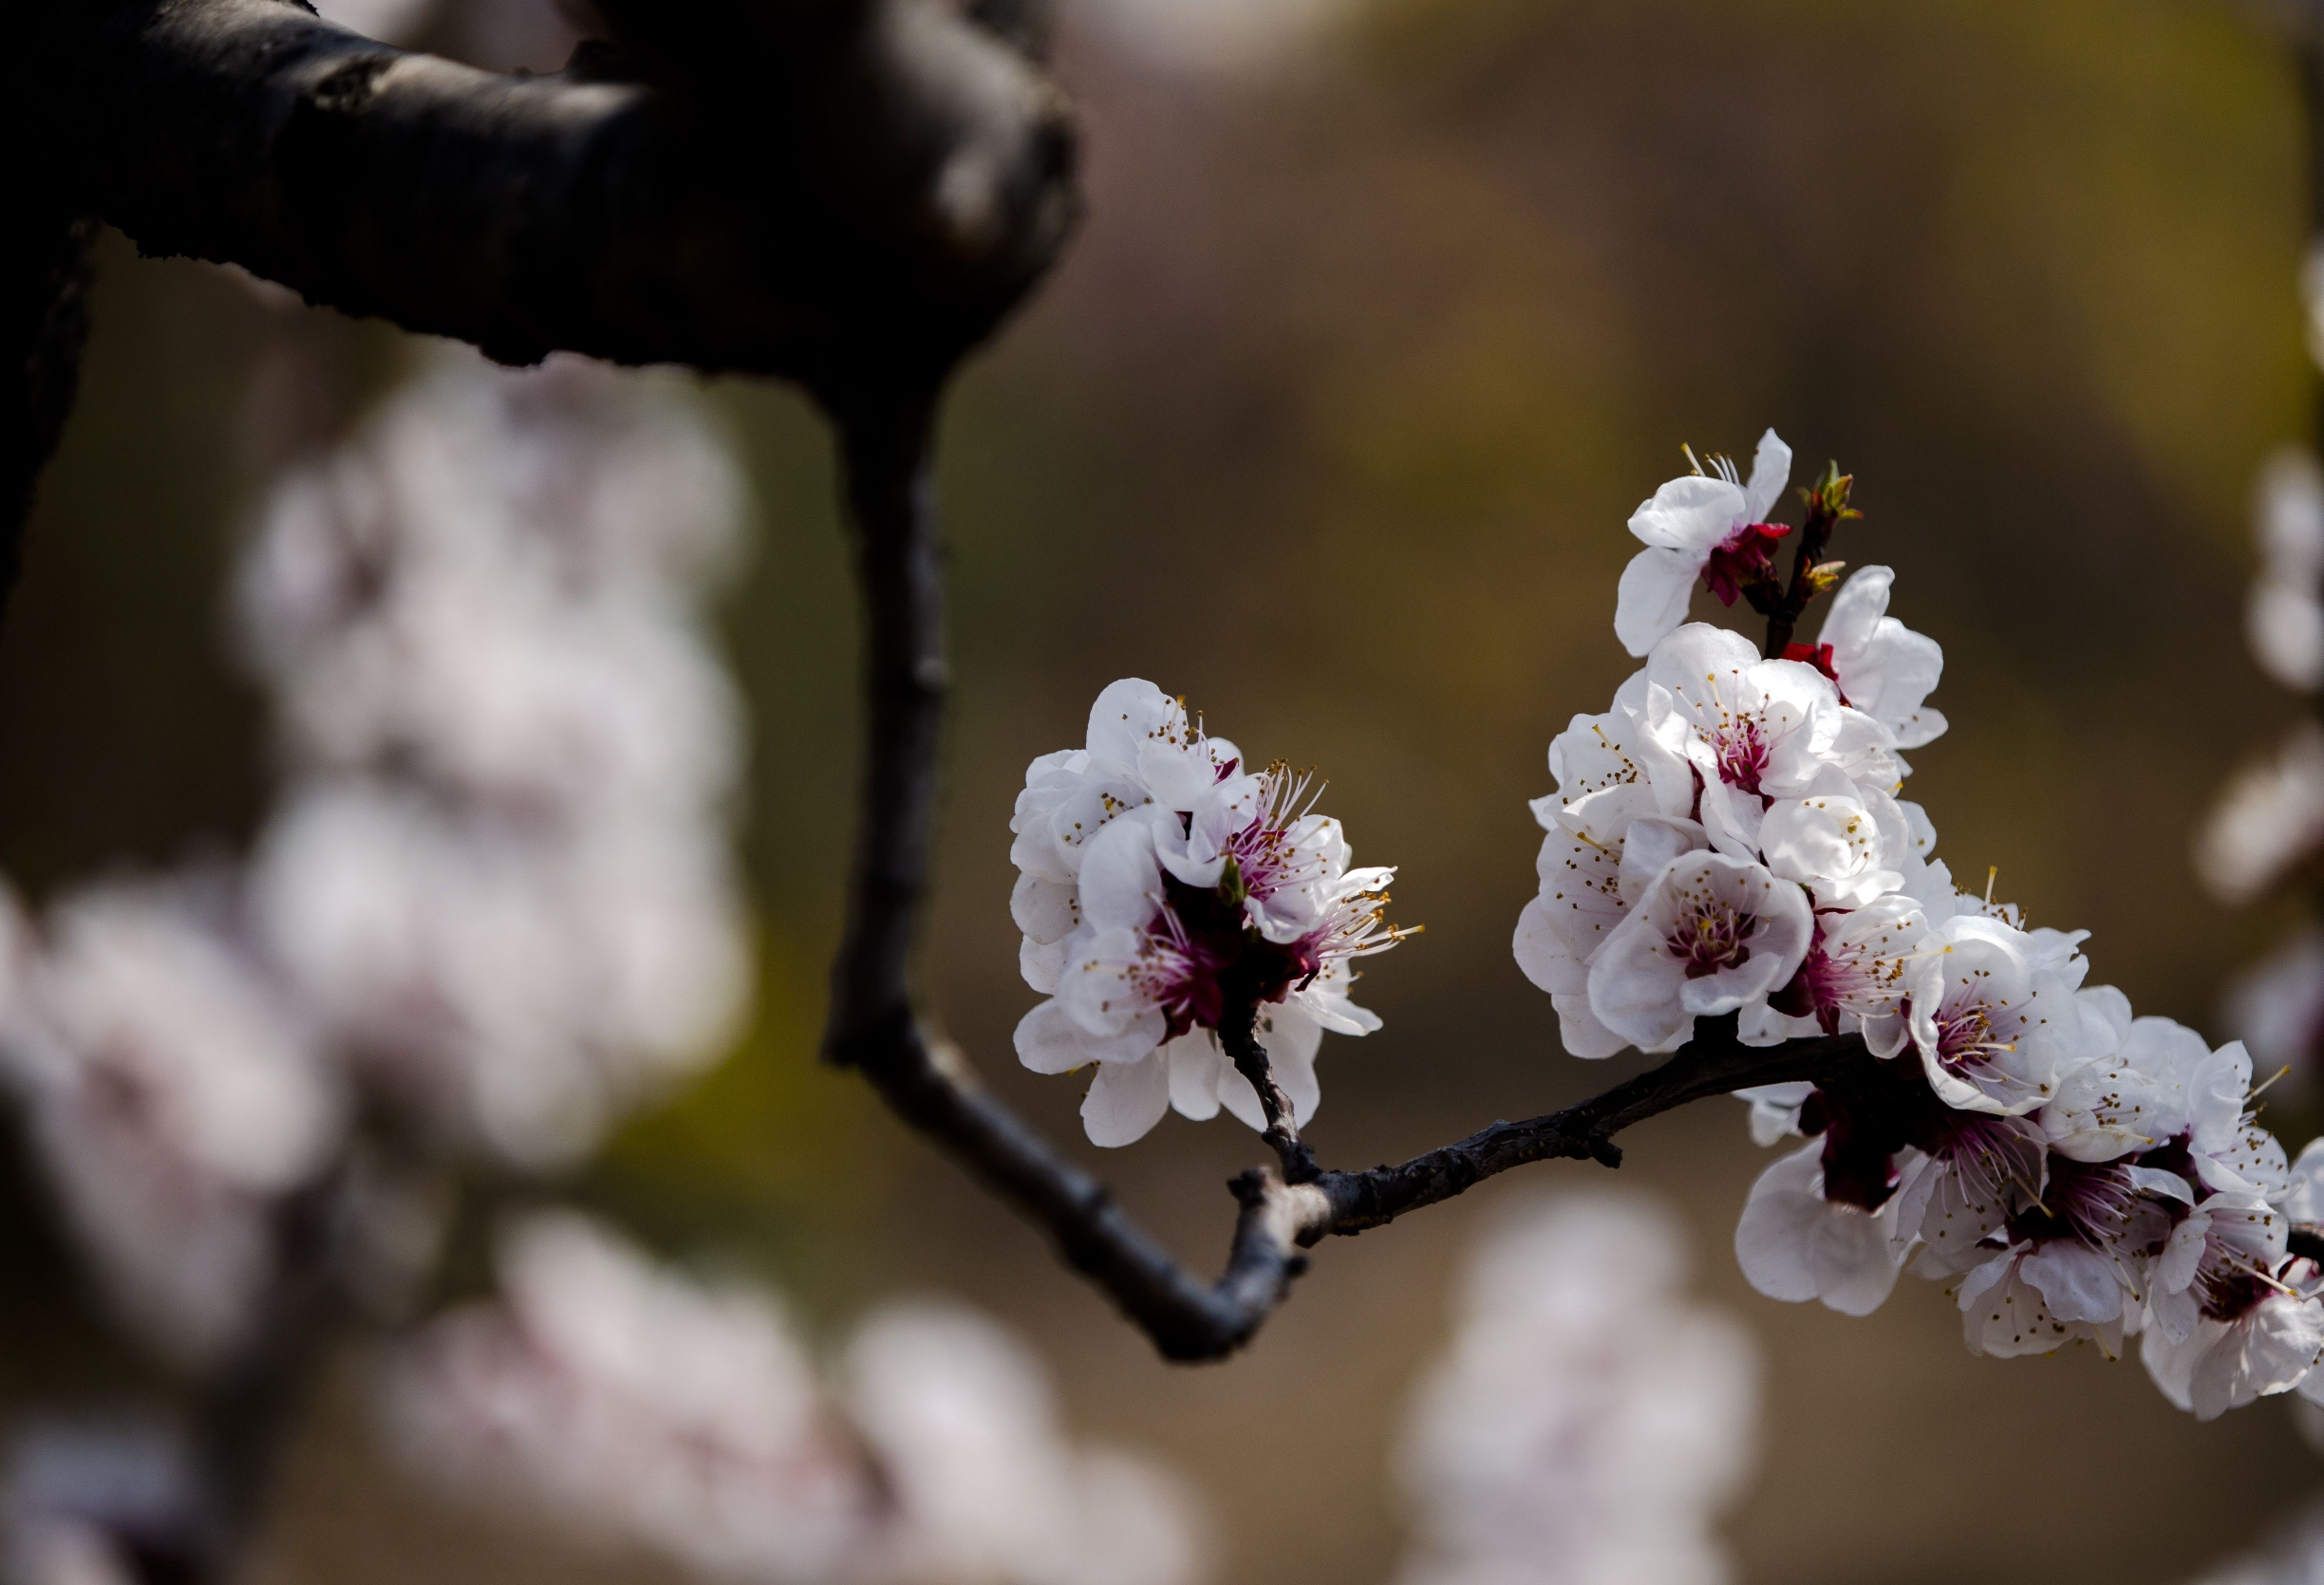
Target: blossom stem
1826,506
1238,1036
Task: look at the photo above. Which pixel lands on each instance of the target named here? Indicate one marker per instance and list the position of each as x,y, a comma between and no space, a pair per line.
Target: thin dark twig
1238,1036
2307,1240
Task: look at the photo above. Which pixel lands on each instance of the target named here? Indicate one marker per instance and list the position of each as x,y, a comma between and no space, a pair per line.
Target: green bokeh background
1330,422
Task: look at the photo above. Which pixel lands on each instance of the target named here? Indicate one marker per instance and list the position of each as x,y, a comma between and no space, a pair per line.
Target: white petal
1651,600
1770,470
1125,1101
1126,715
1542,954
2077,1283
1050,1041
2306,1202
1195,1063
1121,884
1583,1034
1292,1037
1041,963
1692,512
1044,909
1794,1245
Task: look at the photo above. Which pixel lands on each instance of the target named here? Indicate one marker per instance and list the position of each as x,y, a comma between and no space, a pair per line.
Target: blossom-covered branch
1166,891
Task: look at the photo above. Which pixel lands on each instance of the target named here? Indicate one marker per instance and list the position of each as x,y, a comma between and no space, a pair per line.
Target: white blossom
2267,1348
1158,880
1711,934
1754,730
633,1405
1848,845
986,1483
501,877
519,993
1685,524
1994,1017
637,1405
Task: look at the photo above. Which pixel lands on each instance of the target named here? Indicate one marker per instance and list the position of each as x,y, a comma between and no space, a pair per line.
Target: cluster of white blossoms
639,1407
502,878
1589,1421
1726,840
495,898
1163,887
497,888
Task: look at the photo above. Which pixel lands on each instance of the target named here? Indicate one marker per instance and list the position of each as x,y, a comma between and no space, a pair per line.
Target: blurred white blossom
2285,615
173,1098
987,1487
2269,820
1590,1421
502,877
637,1405
2276,1007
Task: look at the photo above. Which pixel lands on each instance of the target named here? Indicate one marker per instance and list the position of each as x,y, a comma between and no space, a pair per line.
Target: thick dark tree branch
834,185
44,319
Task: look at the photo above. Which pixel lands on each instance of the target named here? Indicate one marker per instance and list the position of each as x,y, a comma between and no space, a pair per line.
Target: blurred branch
877,181
893,507
44,321
807,189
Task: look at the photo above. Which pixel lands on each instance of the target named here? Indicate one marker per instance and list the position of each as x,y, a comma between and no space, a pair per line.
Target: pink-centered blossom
1690,525
1175,888
1709,934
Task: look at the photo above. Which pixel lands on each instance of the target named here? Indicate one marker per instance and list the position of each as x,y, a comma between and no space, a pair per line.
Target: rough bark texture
822,189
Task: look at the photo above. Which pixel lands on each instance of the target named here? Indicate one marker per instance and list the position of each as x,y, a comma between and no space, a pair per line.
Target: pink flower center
1743,557
1742,753
1715,938
1967,1035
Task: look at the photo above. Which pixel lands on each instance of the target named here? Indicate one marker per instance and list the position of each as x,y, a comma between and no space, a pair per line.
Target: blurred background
1384,315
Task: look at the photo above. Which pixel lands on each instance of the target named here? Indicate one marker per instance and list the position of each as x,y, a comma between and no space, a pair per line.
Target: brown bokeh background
1330,421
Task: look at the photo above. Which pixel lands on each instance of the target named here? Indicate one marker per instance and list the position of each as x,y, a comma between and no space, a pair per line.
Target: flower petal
1125,1101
